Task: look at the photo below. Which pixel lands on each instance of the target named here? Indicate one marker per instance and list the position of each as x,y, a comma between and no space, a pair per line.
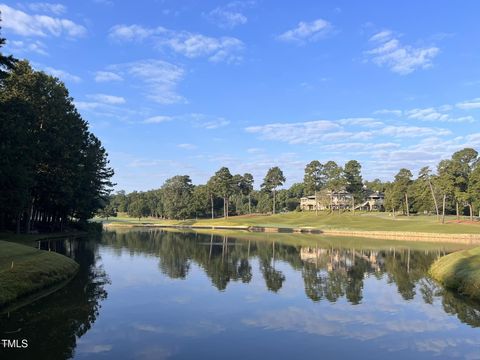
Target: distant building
341,200
327,200
375,202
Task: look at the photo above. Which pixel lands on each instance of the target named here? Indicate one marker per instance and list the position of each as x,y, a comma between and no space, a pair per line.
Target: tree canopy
53,170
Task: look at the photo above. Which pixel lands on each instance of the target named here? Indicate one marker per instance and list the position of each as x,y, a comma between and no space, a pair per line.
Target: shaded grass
459,271
324,221
33,270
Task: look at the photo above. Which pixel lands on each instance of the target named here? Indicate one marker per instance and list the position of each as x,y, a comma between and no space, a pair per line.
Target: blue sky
185,87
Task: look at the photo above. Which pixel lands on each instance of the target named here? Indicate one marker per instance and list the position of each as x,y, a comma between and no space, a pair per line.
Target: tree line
53,170
454,188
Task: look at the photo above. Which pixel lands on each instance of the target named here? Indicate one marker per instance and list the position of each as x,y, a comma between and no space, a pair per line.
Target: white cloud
469,104
295,133
365,122
429,114
359,146
53,8
133,32
413,131
399,58
207,122
187,146
25,24
159,78
321,131
157,119
107,99
307,31
227,16
105,76
432,114
19,47
196,45
388,112
62,74
189,44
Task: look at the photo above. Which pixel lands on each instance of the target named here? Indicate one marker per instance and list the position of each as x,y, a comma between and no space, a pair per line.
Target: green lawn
459,271
25,270
324,221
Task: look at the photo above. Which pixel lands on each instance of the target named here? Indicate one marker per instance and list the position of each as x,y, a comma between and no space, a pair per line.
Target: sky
185,87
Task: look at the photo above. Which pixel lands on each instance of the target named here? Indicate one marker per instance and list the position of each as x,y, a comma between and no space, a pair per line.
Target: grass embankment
459,271
25,270
323,221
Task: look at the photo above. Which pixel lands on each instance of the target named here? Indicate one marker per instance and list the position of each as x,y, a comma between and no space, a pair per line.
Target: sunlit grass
324,221
25,270
459,271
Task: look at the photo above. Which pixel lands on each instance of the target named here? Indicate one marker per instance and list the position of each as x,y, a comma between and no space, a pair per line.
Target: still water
152,294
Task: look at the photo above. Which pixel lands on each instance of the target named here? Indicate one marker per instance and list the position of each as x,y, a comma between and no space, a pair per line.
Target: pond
154,294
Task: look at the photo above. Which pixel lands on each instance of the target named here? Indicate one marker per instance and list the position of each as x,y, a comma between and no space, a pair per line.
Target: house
341,200
327,200
374,202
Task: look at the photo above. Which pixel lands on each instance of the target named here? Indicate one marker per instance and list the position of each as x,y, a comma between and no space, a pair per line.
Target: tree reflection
328,273
52,325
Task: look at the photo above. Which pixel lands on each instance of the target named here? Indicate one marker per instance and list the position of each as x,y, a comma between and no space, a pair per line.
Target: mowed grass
25,270
324,221
459,271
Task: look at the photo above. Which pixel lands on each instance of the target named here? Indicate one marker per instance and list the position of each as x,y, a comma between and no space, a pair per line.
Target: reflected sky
191,296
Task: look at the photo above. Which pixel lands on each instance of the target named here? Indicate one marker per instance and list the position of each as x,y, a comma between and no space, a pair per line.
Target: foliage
271,181
52,169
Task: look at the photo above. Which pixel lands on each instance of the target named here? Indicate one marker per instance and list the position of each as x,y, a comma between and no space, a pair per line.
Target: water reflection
54,324
329,273
187,295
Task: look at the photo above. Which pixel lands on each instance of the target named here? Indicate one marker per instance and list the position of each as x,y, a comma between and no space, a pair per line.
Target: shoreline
27,273
459,271
466,239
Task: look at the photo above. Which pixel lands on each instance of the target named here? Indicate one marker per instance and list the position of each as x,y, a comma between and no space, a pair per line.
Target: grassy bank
459,271
324,221
25,270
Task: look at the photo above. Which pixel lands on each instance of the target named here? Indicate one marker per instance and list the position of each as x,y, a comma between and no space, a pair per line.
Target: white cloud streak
62,74
469,104
227,17
306,31
158,78
191,45
107,76
107,99
52,8
24,24
399,58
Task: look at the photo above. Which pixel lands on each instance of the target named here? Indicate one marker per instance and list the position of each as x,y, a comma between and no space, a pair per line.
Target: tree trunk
406,203
211,201
456,207
443,208
316,203
19,217
249,204
224,207
29,218
273,201
228,205
434,198
353,205
470,207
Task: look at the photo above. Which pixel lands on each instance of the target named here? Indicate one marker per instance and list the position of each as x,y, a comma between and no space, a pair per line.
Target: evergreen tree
272,180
